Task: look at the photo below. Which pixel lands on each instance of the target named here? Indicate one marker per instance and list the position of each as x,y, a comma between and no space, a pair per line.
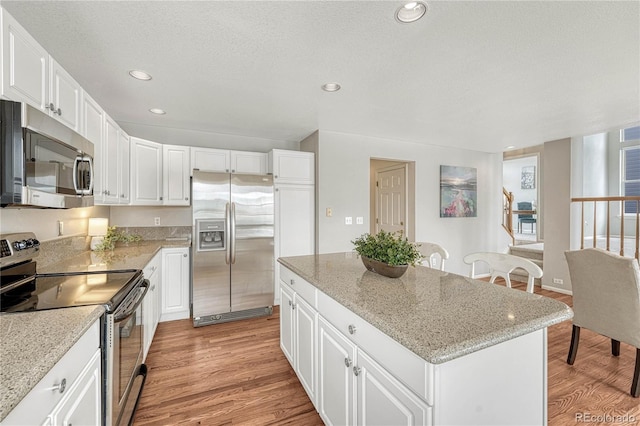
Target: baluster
621,227
581,225
608,227
595,221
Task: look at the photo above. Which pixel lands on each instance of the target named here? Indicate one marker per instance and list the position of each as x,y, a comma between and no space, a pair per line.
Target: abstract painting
458,191
528,177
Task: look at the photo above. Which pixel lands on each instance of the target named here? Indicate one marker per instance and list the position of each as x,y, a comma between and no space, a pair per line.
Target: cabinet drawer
152,267
299,285
43,398
409,368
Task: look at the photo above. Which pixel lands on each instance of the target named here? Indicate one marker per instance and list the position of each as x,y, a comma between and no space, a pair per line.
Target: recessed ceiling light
158,111
411,12
331,87
140,75
509,147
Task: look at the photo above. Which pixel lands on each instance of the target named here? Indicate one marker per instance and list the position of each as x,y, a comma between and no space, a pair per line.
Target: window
630,170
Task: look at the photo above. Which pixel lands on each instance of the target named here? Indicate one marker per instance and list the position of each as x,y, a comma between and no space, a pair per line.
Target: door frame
382,164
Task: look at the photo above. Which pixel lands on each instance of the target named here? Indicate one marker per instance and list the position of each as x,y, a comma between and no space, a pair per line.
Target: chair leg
635,385
573,349
615,347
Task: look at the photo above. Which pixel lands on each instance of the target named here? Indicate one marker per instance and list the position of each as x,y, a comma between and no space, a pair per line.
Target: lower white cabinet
70,393
175,284
151,306
298,337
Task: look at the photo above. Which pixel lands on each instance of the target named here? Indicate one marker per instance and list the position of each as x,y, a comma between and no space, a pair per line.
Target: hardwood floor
235,373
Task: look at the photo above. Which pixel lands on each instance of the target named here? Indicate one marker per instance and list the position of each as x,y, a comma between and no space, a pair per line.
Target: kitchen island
428,348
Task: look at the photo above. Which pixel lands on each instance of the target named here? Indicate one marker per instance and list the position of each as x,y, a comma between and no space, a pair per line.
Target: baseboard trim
558,290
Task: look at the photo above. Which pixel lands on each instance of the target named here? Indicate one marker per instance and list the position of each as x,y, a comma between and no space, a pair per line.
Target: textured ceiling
478,75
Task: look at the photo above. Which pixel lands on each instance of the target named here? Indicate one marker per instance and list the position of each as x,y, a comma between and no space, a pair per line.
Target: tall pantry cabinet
294,196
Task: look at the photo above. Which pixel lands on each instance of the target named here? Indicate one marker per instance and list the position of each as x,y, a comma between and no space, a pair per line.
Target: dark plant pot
391,271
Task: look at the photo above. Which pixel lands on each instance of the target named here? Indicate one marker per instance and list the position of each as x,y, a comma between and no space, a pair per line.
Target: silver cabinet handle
60,387
289,302
58,111
293,306
227,170
51,107
352,329
184,255
348,362
357,370
292,281
275,177
233,171
186,198
153,287
121,195
160,198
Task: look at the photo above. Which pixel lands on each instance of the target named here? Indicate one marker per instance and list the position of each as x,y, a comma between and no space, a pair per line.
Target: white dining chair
501,265
434,255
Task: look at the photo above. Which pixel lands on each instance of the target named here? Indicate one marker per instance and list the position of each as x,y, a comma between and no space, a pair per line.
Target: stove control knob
20,245
32,242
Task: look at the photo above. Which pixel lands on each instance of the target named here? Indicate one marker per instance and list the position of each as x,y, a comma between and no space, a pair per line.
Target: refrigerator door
211,275
252,258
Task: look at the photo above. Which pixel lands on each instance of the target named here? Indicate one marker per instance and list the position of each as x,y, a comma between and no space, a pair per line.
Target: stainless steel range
121,292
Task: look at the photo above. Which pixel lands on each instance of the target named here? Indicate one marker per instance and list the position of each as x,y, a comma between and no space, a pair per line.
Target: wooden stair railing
507,214
608,201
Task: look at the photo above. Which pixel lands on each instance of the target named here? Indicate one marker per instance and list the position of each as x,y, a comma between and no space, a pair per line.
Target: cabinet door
92,128
110,162
123,167
305,345
383,400
249,162
295,220
286,324
146,167
175,175
25,65
65,96
175,284
292,166
210,160
82,404
336,381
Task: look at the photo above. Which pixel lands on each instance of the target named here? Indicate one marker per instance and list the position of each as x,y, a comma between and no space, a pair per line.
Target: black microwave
44,163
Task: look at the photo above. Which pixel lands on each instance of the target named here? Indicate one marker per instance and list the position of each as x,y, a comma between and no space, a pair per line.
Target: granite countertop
439,316
31,343
133,256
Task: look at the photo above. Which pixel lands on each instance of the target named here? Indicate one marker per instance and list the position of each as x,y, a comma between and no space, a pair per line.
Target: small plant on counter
113,236
388,248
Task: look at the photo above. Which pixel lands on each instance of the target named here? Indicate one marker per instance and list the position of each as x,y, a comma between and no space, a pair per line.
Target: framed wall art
528,177
458,191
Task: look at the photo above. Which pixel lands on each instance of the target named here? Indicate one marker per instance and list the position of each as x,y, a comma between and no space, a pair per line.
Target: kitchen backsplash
158,232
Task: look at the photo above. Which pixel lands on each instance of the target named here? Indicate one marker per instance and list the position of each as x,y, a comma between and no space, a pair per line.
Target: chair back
525,205
501,265
431,252
606,293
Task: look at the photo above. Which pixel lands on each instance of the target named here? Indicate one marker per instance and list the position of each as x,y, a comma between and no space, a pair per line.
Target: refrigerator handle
227,237
233,233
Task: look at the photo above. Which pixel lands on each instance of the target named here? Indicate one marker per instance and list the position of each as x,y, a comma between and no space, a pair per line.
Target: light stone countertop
31,343
437,315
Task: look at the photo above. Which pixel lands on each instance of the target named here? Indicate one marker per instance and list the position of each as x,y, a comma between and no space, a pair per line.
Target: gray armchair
606,299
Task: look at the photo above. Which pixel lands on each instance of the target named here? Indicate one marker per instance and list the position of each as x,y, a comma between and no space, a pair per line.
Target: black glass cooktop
53,291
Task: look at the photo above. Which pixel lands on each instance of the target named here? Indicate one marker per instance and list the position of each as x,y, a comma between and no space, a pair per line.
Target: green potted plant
386,253
113,236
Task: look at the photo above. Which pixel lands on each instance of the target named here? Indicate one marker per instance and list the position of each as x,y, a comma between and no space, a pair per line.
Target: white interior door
391,199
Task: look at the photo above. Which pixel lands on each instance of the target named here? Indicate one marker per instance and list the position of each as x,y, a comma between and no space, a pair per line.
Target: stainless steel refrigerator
233,261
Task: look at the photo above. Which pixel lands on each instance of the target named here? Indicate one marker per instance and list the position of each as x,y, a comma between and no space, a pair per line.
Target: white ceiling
480,74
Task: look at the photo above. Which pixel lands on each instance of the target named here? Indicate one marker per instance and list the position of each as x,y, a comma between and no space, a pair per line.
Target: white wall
44,222
344,167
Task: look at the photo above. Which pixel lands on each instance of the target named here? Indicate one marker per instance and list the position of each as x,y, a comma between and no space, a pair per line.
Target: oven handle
121,316
16,284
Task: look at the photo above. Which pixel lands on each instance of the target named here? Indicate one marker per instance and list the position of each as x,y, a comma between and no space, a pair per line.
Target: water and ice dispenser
210,235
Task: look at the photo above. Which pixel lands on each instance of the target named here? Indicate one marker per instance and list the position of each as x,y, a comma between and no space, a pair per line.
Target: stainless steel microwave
44,163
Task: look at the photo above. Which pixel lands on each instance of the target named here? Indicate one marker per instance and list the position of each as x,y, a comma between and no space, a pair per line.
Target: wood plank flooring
236,374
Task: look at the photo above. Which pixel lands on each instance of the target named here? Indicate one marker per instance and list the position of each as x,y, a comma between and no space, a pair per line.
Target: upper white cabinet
30,75
292,166
146,165
93,129
176,185
226,161
115,164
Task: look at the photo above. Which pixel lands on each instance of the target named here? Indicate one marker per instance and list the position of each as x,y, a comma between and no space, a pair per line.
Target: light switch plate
348,220
359,220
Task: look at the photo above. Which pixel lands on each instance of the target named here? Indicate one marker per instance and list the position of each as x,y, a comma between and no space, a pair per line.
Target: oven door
124,356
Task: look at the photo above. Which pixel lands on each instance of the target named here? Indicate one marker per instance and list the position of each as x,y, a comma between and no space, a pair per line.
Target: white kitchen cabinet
93,129
146,168
31,75
152,301
249,162
210,159
79,401
176,185
175,284
295,167
298,321
115,163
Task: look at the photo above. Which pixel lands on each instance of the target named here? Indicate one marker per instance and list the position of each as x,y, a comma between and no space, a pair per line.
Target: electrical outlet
156,221
329,212
558,281
348,220
359,220
60,228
